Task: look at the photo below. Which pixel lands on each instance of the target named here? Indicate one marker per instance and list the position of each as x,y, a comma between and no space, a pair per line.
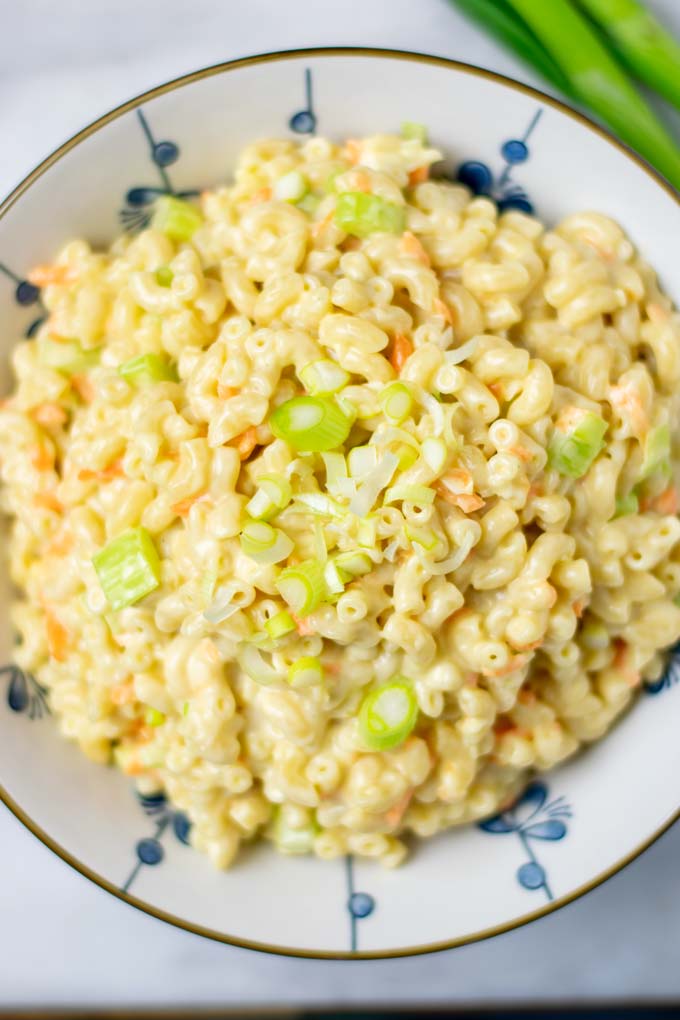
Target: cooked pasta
342,502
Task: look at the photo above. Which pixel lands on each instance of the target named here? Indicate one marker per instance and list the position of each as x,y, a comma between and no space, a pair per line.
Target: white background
64,941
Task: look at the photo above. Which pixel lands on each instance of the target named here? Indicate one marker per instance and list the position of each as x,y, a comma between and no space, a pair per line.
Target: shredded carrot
43,276
353,150
57,636
516,662
42,459
534,490
667,502
626,399
50,415
528,648
621,661
526,697
184,506
467,502
401,351
304,628
225,392
134,768
361,181
48,501
522,453
83,387
497,389
246,442
263,195
60,545
398,810
318,228
122,694
441,308
411,245
579,607
113,470
418,176
457,480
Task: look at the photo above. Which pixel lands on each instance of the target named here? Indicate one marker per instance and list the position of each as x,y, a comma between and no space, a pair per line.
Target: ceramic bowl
573,827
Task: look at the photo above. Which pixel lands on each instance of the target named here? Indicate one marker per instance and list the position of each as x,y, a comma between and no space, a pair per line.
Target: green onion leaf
273,495
320,503
310,424
422,495
176,218
148,368
128,568
265,544
66,356
397,402
361,214
305,672
291,187
352,564
279,625
388,714
576,442
333,577
302,587
629,504
323,376
412,130
657,450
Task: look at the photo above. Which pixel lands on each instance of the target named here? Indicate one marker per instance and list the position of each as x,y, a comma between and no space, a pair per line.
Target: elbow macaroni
524,606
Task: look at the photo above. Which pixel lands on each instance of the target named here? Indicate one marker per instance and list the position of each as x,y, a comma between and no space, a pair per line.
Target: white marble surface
64,941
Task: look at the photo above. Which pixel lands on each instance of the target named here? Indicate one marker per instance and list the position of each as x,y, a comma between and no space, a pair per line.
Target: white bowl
574,827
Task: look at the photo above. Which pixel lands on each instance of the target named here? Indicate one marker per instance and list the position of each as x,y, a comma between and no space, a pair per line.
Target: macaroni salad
340,501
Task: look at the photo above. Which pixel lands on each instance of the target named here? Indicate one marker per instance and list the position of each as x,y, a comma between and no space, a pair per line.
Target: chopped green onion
641,42
66,356
388,714
423,495
320,547
265,544
599,81
412,130
361,214
309,203
629,504
352,564
323,376
397,402
302,587
128,568
279,625
273,495
361,460
333,578
576,442
657,450
320,503
291,187
310,424
176,218
595,636
291,839
426,538
164,276
152,717
373,485
367,532
338,482
407,455
435,454
305,672
251,662
148,368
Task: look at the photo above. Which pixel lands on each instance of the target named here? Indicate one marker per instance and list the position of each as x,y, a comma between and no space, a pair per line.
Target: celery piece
629,504
361,214
414,131
148,368
176,218
657,450
128,568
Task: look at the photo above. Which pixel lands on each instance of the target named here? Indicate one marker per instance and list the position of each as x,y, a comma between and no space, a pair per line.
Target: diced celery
413,130
629,504
176,218
279,625
164,276
148,368
576,442
657,450
128,568
360,213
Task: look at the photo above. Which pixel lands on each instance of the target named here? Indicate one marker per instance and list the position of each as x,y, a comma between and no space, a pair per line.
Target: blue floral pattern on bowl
149,850
27,295
24,693
532,818
480,179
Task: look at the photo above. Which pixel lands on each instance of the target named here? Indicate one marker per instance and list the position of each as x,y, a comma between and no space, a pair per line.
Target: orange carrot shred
398,810
417,176
50,415
246,442
225,392
113,470
441,308
60,545
401,351
44,275
42,459
83,387
122,694
519,451
48,501
184,506
304,628
667,502
411,245
353,150
262,195
57,636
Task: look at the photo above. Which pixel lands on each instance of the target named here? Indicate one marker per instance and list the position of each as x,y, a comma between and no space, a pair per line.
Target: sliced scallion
176,218
148,368
361,214
265,544
397,402
302,587
291,187
323,376
305,672
310,424
388,714
576,442
128,568
279,625
273,495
